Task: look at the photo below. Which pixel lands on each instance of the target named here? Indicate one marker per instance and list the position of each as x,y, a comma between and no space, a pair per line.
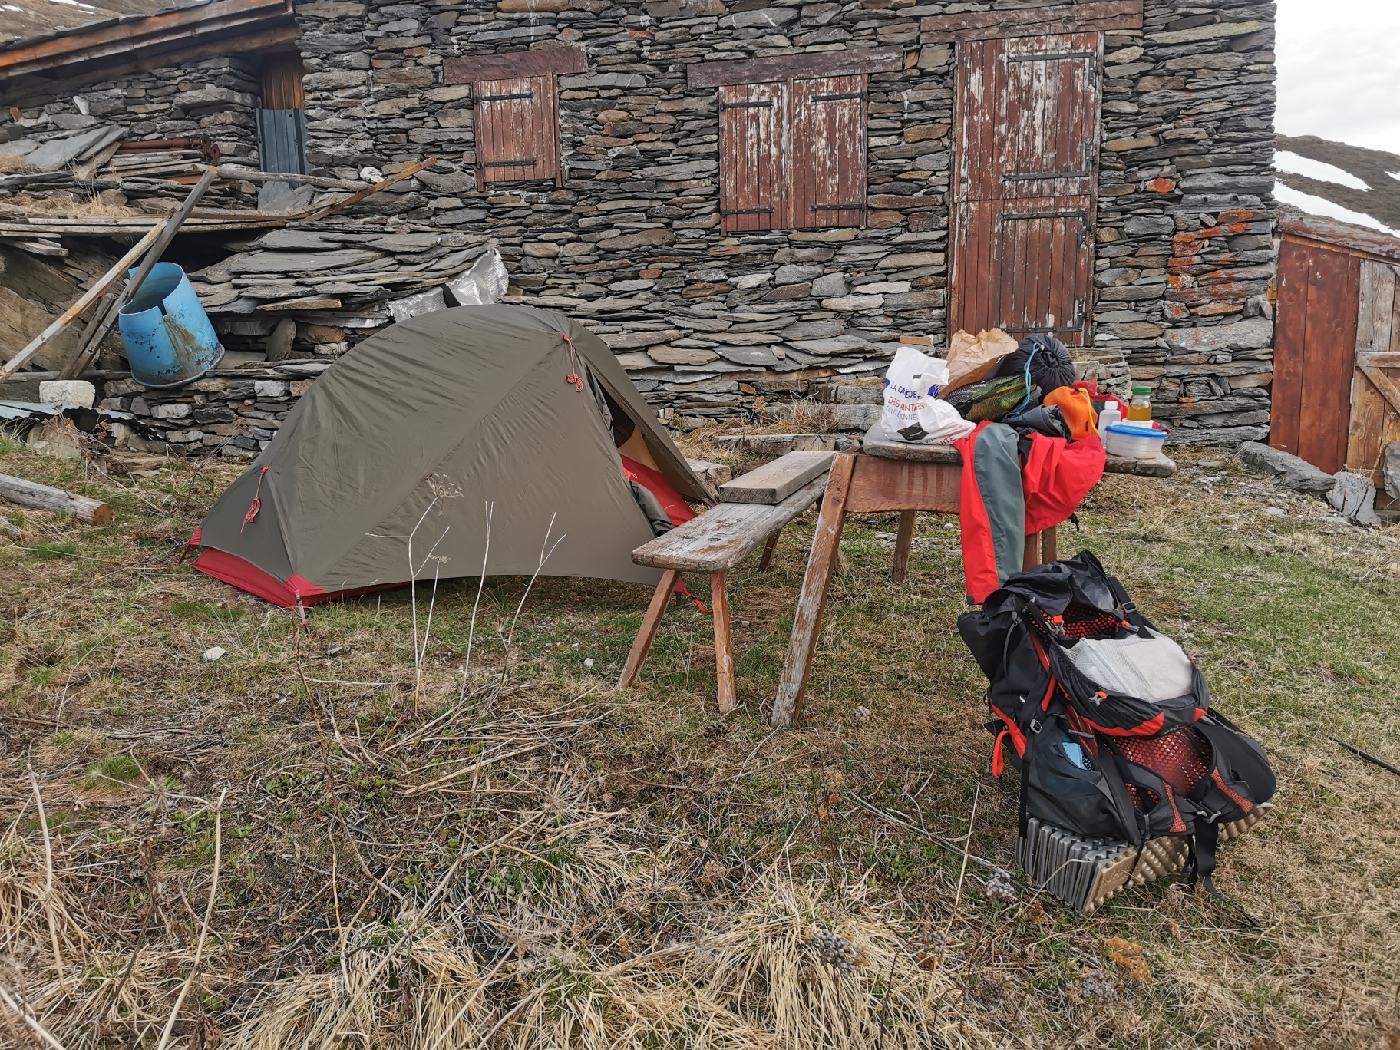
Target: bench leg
724,645
646,634
902,542
1050,545
768,549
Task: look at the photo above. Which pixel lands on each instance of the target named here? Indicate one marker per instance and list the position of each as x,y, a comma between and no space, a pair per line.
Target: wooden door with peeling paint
1336,391
1025,185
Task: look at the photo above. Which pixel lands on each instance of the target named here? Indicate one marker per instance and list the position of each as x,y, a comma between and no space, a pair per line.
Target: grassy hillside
348,834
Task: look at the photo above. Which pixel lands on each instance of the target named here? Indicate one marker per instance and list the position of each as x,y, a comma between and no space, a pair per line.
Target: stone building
747,197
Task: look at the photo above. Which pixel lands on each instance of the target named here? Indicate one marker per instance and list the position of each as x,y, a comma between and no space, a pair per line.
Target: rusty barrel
166,333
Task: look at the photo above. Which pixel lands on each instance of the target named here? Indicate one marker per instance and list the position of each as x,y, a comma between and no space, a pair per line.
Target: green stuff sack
991,399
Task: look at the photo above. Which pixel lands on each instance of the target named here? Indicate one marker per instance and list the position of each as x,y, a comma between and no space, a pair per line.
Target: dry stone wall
215,98
703,320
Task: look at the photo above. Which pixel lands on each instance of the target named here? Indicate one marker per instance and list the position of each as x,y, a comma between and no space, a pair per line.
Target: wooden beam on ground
97,331
44,497
87,299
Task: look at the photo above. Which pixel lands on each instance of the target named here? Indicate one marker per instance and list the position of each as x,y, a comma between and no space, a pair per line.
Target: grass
630,870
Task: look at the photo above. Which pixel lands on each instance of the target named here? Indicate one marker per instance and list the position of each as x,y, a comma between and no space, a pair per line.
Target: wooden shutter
828,144
752,173
281,116
517,130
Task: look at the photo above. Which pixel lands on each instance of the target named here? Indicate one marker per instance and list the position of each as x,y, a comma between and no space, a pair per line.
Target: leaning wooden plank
776,481
43,497
721,537
355,198
811,604
92,294
102,324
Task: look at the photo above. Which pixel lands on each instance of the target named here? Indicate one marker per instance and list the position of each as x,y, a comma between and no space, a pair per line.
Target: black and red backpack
1097,761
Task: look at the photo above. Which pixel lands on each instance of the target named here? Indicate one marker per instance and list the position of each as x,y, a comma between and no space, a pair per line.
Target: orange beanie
1077,409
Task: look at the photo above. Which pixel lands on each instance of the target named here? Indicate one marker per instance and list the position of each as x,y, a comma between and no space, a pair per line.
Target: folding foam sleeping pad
415,432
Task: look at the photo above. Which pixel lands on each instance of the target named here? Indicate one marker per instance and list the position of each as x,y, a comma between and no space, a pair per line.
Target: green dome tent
429,430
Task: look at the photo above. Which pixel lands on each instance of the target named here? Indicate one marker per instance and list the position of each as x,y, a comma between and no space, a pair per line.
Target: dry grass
10,164
417,855
68,206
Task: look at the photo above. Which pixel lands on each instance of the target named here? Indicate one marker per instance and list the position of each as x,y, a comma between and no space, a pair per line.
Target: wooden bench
758,506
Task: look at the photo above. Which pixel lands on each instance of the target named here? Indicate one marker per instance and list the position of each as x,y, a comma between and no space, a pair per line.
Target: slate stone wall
214,97
704,320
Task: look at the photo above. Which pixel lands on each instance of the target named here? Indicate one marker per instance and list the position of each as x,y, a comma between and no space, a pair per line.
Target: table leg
903,540
1032,558
1050,544
646,634
826,545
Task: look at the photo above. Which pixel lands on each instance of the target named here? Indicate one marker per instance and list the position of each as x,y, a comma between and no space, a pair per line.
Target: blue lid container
1129,430
165,331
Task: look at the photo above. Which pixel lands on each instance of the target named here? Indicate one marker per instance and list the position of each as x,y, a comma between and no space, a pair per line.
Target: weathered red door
1024,188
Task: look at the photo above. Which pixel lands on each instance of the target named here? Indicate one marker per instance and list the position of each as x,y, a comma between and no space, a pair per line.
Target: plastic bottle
1109,416
1140,408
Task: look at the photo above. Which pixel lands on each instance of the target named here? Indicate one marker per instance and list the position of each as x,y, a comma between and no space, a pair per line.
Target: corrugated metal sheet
24,22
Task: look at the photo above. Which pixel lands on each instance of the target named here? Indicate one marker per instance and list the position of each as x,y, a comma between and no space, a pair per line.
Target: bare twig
30,1021
204,927
48,877
480,585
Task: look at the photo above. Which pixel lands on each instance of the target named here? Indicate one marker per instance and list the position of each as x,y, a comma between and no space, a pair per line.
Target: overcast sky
1339,71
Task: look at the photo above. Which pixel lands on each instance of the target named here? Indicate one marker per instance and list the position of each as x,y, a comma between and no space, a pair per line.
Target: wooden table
889,476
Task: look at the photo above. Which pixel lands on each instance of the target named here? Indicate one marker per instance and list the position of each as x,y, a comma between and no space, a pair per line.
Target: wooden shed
1337,352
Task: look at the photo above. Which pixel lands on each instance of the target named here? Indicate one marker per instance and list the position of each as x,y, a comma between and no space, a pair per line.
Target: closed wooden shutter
281,117
752,147
517,130
829,144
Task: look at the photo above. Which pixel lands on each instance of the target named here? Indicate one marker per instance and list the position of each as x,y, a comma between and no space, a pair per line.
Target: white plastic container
1131,441
1110,416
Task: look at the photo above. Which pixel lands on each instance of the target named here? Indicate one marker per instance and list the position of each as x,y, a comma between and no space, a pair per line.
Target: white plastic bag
913,409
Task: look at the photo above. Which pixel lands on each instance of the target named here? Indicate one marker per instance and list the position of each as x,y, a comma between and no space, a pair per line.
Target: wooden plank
1289,345
127,33
787,67
776,481
542,61
95,292
1330,352
724,645
1333,234
646,634
383,184
883,485
811,604
722,536
1035,21
43,497
1032,556
1375,307
876,443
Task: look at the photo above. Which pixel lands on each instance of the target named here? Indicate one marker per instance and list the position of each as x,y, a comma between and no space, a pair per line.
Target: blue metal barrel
167,335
